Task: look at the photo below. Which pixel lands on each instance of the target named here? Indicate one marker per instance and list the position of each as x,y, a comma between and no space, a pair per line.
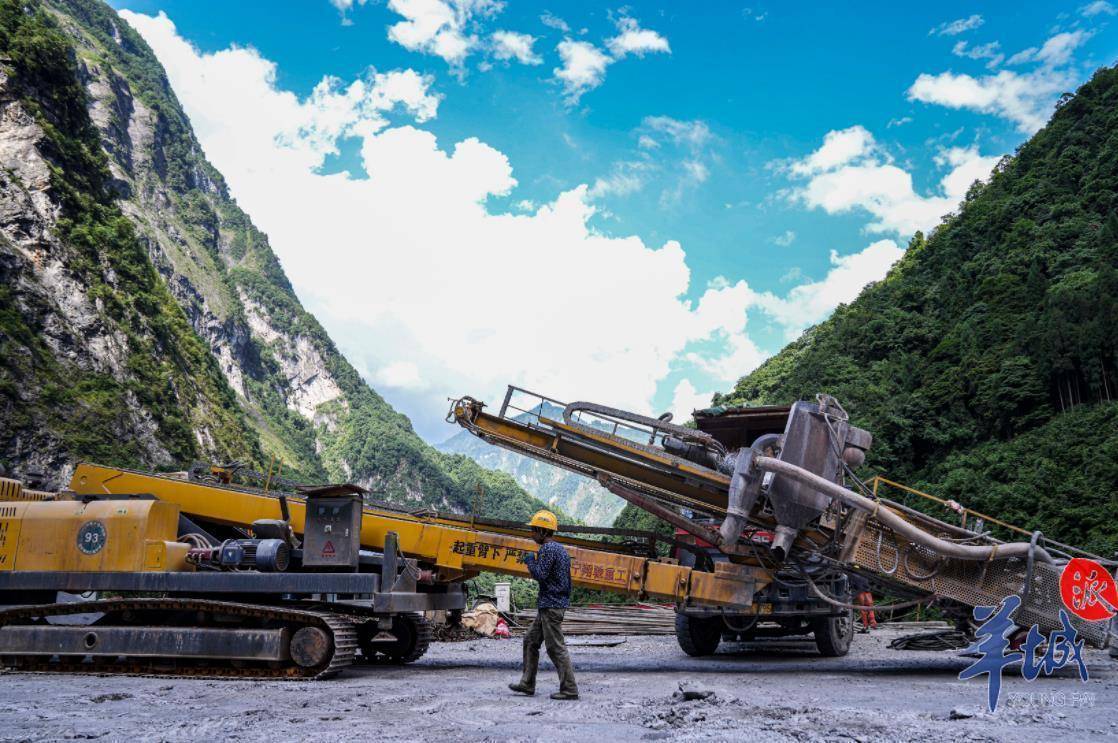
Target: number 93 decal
91,537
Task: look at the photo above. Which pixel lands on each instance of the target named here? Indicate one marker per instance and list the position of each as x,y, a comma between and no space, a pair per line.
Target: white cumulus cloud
439,27
840,146
344,6
1058,49
410,271
850,172
584,64
990,51
696,171
673,149
632,39
625,177
809,303
1099,7
693,134
553,21
686,399
583,67
512,45
1023,98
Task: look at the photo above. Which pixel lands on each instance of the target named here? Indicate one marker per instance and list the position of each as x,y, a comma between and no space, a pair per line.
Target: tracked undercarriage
178,599
180,637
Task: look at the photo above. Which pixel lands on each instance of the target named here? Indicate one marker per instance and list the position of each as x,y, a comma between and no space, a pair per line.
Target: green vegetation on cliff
986,363
168,371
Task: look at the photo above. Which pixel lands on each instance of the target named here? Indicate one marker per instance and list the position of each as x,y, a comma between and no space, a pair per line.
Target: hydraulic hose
975,553
819,593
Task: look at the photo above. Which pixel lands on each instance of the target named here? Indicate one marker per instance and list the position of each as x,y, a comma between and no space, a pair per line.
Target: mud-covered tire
698,636
834,634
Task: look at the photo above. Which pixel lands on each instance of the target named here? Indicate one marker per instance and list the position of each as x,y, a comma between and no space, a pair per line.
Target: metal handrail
969,512
512,389
628,427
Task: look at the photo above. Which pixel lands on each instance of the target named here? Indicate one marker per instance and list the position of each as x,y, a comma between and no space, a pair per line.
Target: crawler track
340,631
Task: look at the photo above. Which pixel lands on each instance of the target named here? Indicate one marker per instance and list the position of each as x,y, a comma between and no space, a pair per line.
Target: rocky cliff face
97,357
146,321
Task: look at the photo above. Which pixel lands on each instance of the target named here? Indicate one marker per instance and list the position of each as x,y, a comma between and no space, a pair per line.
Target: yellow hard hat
545,520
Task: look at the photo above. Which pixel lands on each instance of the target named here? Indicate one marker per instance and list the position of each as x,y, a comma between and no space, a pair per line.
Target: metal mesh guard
880,551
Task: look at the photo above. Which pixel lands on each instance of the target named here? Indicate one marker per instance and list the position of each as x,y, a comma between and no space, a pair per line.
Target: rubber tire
698,636
834,634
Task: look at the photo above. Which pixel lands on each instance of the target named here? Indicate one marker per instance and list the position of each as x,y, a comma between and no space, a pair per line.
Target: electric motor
265,555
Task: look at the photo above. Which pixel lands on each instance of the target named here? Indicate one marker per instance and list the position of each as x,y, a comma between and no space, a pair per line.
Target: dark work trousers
548,628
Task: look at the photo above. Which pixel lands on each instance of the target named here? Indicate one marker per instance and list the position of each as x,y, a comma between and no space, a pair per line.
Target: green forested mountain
986,362
144,320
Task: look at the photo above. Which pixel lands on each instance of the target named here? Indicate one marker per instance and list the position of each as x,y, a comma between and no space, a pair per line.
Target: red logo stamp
1088,591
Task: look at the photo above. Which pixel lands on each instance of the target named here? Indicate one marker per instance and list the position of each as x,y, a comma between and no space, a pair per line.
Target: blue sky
731,171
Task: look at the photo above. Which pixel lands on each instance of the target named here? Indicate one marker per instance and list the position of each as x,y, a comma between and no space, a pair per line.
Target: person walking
551,567
860,587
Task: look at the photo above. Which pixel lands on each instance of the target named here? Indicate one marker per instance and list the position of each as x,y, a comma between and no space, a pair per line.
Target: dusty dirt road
458,692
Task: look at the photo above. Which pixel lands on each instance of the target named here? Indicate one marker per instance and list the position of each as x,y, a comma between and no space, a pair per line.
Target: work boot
564,695
520,688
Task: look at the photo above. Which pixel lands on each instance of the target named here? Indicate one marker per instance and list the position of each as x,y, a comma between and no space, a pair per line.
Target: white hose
975,553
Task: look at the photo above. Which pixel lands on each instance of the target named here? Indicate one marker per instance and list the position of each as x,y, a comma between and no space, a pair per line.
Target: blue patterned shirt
551,567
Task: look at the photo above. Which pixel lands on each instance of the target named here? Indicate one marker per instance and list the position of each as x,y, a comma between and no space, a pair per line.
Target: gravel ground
458,692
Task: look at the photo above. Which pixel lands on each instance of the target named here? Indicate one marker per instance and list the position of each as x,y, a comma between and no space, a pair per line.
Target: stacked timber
608,619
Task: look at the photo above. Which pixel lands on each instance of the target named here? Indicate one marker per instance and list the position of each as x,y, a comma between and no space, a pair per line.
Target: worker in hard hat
551,567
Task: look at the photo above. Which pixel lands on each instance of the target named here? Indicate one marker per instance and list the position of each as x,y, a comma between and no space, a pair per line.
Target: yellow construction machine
773,492
209,578
198,575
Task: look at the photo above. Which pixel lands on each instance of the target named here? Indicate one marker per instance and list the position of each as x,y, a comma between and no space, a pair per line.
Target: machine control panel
332,531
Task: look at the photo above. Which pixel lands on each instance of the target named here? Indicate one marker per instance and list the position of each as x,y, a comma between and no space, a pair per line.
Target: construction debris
482,620
690,706
688,692
452,633
945,639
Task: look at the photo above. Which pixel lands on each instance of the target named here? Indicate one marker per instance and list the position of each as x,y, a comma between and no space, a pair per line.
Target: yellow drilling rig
774,493
200,576
209,578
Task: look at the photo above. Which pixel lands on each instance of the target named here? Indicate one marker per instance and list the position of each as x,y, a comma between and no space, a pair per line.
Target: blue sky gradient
706,144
